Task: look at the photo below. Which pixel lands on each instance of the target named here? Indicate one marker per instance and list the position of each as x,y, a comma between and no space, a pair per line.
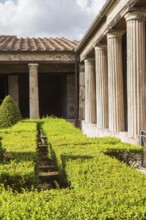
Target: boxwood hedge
9,113
99,186
18,168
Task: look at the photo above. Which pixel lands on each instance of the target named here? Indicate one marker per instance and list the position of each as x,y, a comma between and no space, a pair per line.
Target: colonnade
104,100
13,89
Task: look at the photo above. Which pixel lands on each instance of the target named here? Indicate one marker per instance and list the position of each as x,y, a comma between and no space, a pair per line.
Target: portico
39,74
116,41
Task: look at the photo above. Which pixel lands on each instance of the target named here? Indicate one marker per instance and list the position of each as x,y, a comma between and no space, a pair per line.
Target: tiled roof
12,43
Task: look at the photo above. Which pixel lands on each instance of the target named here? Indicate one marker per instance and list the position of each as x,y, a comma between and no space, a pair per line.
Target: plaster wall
13,88
71,111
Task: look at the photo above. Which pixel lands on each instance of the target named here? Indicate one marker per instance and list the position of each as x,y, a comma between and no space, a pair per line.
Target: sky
48,18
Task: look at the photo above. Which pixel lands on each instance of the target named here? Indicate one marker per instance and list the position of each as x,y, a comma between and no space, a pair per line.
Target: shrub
18,168
9,113
101,187
2,151
130,154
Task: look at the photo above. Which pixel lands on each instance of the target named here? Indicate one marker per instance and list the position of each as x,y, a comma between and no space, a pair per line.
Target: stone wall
13,88
52,57
71,111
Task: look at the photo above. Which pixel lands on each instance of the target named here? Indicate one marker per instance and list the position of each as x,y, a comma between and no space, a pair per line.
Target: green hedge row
61,133
20,142
110,188
101,187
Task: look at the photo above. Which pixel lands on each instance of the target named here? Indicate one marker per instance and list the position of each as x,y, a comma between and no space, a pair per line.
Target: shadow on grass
18,182
20,156
62,168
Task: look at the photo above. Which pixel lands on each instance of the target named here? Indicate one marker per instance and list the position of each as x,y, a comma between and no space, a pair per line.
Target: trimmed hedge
63,134
100,187
110,189
2,151
18,169
9,113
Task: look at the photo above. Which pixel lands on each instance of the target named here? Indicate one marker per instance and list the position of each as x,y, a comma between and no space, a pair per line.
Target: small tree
9,113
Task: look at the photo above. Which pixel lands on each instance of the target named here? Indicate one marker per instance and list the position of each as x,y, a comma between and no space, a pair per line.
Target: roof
12,43
95,23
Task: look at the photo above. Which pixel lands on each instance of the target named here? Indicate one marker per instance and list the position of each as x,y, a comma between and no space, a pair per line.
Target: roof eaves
98,18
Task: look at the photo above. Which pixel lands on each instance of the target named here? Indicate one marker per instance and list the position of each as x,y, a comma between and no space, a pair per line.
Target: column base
91,130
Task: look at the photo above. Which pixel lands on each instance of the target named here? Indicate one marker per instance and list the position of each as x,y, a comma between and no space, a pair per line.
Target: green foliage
20,141
61,134
131,155
100,186
2,151
9,113
110,189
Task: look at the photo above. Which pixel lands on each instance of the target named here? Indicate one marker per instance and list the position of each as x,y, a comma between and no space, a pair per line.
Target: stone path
47,171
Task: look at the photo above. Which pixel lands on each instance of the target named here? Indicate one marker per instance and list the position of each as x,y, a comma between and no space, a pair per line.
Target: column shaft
136,78
115,82
82,92
101,86
71,110
90,92
33,91
13,88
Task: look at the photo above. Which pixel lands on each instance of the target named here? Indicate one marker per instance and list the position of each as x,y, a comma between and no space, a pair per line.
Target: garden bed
99,186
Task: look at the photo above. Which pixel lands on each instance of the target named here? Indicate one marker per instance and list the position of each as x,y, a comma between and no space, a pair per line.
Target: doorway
3,88
52,95
24,95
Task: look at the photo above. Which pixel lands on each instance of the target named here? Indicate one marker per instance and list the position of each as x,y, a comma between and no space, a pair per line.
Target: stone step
42,147
45,160
42,155
43,139
42,134
42,152
49,177
43,163
46,186
47,168
39,151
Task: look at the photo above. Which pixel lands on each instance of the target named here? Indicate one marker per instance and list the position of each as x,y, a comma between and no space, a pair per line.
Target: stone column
101,86
115,82
136,75
33,91
81,92
71,110
90,91
13,88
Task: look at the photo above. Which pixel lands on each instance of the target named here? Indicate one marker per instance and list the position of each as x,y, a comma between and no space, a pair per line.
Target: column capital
135,15
33,65
100,47
115,34
89,60
81,67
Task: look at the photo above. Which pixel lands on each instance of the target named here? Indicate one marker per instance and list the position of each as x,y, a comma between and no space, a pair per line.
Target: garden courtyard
83,178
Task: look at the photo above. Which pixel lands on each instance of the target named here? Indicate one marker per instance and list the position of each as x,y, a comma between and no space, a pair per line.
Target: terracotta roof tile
12,43
50,45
